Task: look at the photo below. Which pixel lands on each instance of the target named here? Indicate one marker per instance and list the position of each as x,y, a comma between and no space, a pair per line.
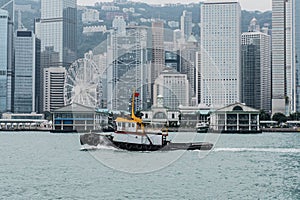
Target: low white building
90,15
94,29
235,118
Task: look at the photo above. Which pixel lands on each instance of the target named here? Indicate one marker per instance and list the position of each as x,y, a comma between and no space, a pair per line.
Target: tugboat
132,135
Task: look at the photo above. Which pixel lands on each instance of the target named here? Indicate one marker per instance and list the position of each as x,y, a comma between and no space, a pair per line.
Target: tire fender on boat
128,146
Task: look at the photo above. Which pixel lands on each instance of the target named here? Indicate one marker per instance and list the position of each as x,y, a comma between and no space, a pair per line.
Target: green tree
294,116
279,117
263,116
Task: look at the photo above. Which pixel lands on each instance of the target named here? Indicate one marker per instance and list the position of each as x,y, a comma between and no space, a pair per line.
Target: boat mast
133,117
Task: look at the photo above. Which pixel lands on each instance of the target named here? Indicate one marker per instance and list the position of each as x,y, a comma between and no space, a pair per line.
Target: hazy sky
262,5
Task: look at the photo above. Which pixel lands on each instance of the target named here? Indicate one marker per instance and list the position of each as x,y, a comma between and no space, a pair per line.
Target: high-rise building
296,12
26,66
173,86
58,28
57,31
3,58
283,74
186,24
54,79
158,60
6,83
188,51
220,52
127,67
48,58
256,68
198,77
158,53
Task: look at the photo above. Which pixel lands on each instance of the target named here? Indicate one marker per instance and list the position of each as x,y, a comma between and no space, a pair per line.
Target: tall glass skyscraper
186,24
256,69
25,72
58,28
283,57
297,51
3,58
220,52
7,84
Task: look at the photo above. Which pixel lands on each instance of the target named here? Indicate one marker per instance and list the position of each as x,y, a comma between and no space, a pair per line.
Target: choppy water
51,166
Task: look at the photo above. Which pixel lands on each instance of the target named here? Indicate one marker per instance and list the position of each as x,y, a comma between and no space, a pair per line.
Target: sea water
37,165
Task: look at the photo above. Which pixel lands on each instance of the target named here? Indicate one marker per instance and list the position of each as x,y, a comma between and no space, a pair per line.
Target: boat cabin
129,126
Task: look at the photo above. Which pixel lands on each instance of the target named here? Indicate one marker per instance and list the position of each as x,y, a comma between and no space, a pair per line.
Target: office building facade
186,24
58,28
296,12
128,67
283,69
3,58
53,94
256,70
26,64
220,52
173,87
6,79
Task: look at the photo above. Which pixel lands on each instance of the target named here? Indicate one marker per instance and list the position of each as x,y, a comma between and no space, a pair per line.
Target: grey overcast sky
261,5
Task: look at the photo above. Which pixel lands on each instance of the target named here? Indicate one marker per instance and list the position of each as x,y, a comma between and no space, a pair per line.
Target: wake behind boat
132,135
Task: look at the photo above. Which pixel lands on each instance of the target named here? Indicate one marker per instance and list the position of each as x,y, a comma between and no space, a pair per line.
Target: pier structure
24,122
79,118
235,118
25,125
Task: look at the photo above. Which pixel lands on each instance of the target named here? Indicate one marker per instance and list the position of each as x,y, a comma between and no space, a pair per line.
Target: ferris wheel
83,82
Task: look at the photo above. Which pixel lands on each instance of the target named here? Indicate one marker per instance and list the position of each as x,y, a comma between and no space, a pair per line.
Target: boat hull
96,139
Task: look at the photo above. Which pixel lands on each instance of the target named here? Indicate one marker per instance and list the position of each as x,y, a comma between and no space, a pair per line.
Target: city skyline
261,5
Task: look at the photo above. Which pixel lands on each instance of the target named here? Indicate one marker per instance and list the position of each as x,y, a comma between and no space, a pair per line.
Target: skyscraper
296,12
26,65
256,68
186,24
6,83
58,28
127,67
3,58
158,54
283,79
54,79
57,31
220,52
188,51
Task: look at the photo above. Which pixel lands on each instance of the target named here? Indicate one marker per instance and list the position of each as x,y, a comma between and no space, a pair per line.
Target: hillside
142,10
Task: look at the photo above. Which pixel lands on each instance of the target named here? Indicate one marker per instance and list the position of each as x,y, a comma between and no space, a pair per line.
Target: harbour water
51,166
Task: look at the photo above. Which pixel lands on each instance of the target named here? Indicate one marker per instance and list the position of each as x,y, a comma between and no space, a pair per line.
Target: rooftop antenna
20,25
